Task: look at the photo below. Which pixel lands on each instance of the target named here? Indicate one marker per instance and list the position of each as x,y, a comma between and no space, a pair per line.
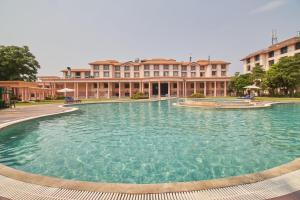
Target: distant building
153,77
272,54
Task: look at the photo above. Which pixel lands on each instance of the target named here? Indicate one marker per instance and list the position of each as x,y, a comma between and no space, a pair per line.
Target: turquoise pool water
153,142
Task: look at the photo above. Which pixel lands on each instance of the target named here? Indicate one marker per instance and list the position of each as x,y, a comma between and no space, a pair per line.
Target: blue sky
72,33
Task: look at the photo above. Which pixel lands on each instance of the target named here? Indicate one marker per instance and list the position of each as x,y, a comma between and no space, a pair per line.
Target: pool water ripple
153,142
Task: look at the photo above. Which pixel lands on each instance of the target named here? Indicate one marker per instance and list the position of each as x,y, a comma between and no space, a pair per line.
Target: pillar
215,89
74,90
77,90
159,89
169,89
130,92
65,93
195,87
119,90
205,88
177,93
149,89
225,88
185,88
97,90
86,90
108,90
142,86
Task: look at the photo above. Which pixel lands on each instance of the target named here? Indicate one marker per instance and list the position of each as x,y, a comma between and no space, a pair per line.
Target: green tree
17,63
239,81
284,75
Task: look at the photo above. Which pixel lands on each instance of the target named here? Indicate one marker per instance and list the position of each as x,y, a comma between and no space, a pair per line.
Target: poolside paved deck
286,186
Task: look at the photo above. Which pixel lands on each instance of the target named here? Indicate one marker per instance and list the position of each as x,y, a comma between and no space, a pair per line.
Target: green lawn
278,99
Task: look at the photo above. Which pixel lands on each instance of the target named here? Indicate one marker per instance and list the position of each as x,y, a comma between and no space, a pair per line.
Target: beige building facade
272,54
153,77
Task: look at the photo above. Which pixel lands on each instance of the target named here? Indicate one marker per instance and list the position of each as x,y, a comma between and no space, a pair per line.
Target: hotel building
272,54
153,77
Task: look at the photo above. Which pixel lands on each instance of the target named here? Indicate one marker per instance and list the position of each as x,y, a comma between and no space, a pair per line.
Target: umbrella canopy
65,90
252,87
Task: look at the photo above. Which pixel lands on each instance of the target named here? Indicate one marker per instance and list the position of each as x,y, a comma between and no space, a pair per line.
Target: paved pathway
283,187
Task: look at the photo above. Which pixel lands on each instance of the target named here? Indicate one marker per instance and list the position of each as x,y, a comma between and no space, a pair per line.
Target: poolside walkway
283,187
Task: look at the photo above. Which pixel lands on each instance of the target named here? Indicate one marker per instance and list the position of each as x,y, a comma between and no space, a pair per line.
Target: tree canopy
17,63
239,81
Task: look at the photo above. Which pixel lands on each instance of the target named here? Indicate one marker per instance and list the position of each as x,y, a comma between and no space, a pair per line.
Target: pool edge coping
140,188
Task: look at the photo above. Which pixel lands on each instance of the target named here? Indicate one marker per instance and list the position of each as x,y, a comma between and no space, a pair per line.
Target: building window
96,67
193,74
136,74
202,74
127,75
77,74
105,85
87,74
106,74
96,74
271,54
175,73
146,85
95,85
222,84
136,68
126,68
166,73
106,67
116,85
117,68
126,85
214,66
193,68
156,73
284,50
136,85
223,67
166,67
202,67
257,57
297,45
192,85
175,67
223,73
248,60
146,73
271,62
248,68
146,67
174,85
183,68
214,73
117,75
183,74
156,67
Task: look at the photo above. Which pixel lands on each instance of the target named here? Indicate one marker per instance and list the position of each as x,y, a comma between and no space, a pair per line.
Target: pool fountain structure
222,103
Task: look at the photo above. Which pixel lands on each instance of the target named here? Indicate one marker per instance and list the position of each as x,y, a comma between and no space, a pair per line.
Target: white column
159,89
130,92
185,89
225,88
195,87
86,90
205,88
169,89
119,90
65,93
142,86
108,90
177,93
97,90
215,89
149,89
77,90
74,92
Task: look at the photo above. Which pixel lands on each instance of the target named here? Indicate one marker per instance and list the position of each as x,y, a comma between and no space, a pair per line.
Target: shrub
48,98
197,95
139,95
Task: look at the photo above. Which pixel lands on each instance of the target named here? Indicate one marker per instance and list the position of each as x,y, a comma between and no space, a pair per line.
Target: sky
62,33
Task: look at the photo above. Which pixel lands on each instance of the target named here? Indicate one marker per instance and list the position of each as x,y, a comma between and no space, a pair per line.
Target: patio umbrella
65,90
252,87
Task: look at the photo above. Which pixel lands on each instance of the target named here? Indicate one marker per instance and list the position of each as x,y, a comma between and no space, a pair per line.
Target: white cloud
272,5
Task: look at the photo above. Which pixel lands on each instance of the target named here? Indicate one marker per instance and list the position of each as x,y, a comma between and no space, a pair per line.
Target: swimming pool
153,142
